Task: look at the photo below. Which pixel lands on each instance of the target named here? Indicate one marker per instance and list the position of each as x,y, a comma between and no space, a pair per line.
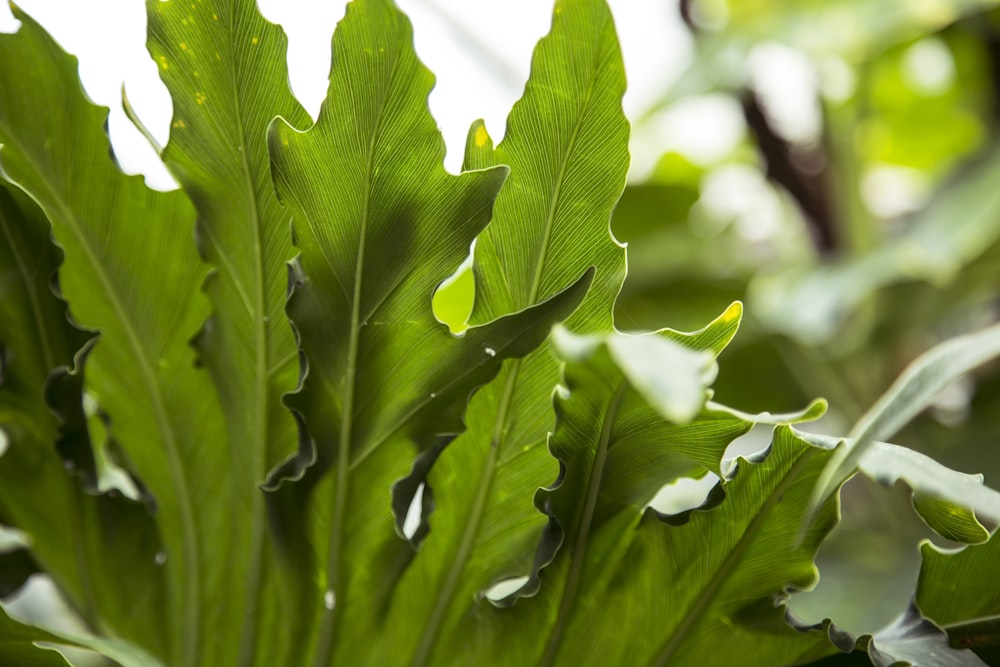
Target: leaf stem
583,529
478,511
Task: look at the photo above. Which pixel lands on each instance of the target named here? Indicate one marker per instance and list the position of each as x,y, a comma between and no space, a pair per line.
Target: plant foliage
219,405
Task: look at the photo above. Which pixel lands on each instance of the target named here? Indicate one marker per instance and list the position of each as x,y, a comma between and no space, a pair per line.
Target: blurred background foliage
856,212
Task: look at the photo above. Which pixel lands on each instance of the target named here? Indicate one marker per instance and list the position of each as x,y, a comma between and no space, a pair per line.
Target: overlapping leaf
566,145
908,396
957,590
911,641
99,549
225,67
684,586
132,273
379,224
18,645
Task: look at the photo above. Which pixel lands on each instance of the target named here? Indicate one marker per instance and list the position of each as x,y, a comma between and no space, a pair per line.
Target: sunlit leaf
379,224
225,68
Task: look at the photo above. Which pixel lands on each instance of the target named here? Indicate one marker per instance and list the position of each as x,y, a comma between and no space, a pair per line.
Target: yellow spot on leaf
195,74
481,136
254,40
163,62
215,17
184,46
733,314
199,97
179,124
218,56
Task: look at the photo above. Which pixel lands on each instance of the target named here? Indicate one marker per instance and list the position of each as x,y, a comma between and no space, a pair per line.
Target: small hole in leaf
684,494
505,588
414,514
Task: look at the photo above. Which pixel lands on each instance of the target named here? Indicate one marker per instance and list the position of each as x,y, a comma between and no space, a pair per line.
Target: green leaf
379,224
27,645
908,396
957,590
18,645
947,500
225,68
113,231
688,586
566,146
99,549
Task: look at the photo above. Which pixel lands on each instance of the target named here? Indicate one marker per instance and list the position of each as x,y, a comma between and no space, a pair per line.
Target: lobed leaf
956,590
566,146
224,65
99,549
130,272
379,224
686,586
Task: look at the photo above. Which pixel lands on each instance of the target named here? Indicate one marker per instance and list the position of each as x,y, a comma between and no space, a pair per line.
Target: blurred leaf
946,499
813,304
18,645
909,395
855,29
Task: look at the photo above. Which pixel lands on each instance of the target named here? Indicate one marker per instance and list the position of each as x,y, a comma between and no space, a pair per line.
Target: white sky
480,51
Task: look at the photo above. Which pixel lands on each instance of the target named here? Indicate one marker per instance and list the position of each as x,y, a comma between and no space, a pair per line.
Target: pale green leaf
19,645
908,396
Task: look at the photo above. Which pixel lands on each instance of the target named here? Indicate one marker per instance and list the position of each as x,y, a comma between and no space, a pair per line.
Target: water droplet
490,352
267,319
69,465
160,558
433,395
329,599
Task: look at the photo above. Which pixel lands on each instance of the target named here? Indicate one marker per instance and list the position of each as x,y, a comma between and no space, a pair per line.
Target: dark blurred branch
807,187
991,40
685,9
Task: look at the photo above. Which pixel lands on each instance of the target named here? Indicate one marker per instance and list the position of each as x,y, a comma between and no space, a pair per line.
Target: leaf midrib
432,632
701,604
248,634
191,547
328,621
583,527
